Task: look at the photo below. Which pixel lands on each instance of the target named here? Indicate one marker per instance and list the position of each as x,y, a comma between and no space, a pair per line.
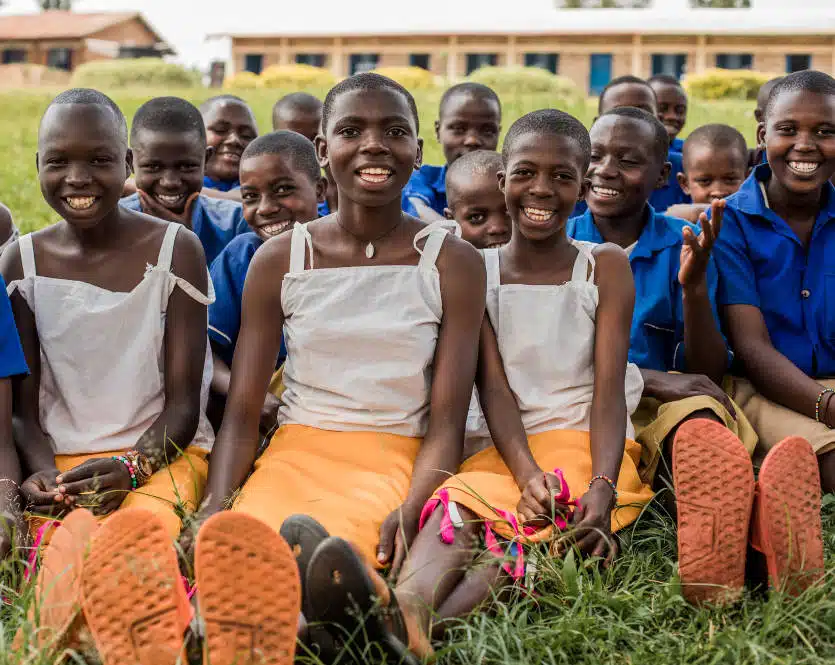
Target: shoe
303,534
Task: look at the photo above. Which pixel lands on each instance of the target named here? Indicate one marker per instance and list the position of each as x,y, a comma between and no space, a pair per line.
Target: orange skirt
485,484
347,481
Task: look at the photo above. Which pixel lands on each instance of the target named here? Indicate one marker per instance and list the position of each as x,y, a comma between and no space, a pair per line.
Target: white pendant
369,251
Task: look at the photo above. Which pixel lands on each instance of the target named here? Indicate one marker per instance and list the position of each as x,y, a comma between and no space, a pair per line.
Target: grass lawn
20,112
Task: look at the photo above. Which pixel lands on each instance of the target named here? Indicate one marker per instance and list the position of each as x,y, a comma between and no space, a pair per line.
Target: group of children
422,371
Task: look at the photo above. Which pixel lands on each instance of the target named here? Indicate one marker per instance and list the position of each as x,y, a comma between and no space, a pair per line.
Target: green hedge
517,80
128,73
726,84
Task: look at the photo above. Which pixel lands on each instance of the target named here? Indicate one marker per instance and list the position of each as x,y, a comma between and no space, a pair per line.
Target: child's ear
129,163
502,177
419,157
448,213
761,134
584,189
664,176
321,189
438,130
37,163
210,152
682,182
321,145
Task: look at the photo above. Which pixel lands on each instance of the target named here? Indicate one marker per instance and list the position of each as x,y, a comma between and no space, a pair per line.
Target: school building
65,39
590,46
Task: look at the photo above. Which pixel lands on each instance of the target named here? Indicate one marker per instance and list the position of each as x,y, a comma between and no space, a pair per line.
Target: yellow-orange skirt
347,481
485,484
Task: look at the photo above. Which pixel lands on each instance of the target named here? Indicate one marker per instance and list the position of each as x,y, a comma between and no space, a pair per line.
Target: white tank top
102,354
546,338
361,340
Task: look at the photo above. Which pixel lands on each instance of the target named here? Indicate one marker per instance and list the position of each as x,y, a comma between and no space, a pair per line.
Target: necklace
370,249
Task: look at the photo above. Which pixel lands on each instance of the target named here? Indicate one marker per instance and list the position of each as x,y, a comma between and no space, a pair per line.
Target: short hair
716,136
296,147
366,81
661,140
90,97
622,80
548,121
809,80
665,79
299,101
471,89
168,114
477,162
765,90
217,99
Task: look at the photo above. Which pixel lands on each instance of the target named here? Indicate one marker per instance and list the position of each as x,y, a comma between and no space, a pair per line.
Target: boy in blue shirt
672,107
12,364
281,184
469,118
775,257
168,140
230,128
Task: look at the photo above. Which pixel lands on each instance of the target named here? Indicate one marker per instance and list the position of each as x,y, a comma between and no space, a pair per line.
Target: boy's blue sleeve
228,277
737,280
12,360
240,224
419,188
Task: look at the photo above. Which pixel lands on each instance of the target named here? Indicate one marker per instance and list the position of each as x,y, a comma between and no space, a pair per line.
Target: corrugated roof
58,24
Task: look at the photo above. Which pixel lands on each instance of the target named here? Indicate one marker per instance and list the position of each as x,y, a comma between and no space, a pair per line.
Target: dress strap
299,242
27,255
491,264
435,233
166,251
583,264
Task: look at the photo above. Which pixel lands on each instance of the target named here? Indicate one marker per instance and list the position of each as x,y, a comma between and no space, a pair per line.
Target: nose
267,206
374,143
473,140
542,186
605,168
78,175
498,226
169,180
234,138
805,142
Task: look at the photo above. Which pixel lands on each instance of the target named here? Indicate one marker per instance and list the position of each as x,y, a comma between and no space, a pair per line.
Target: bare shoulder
611,264
460,258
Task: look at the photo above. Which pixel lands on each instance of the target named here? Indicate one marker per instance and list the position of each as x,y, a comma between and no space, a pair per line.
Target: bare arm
221,375
425,213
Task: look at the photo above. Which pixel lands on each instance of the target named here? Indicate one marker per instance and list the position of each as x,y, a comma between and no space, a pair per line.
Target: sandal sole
714,484
248,592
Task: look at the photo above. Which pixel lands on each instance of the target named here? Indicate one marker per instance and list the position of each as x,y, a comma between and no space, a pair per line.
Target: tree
46,5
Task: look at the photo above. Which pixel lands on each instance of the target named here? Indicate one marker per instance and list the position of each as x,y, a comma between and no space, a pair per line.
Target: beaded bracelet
124,460
818,403
611,483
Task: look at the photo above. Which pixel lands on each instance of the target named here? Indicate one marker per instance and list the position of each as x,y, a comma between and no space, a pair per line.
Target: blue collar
658,233
220,185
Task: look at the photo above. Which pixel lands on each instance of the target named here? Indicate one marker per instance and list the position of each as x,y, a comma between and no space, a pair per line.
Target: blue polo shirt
323,209
220,185
657,335
763,263
12,361
215,221
428,184
677,145
228,274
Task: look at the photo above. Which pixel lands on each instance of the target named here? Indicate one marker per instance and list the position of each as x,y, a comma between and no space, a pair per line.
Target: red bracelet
611,483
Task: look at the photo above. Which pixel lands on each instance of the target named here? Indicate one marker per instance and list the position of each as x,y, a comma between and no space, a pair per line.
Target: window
312,59
13,56
798,62
600,72
479,60
363,62
254,62
672,64
59,58
419,60
549,61
734,60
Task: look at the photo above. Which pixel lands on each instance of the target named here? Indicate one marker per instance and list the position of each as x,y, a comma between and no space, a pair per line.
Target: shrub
241,80
127,73
411,78
515,80
726,84
296,76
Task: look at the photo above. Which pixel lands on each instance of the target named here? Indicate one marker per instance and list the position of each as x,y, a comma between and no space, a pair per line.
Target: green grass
20,112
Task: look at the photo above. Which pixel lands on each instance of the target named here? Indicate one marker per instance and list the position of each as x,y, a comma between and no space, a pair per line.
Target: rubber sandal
134,602
787,516
249,592
347,595
57,600
303,534
714,484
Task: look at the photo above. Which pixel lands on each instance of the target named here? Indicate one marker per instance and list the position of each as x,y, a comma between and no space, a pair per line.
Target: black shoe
303,534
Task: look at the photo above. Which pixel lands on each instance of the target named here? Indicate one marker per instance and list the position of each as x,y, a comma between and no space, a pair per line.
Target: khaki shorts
774,423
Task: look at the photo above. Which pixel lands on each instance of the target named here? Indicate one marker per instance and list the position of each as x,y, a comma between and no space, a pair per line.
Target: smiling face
230,127
275,195
169,166
672,107
713,173
799,134
371,146
542,182
83,162
637,95
624,168
478,205
468,123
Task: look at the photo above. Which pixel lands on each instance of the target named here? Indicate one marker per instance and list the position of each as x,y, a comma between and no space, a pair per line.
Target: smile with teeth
80,202
493,245
538,214
604,192
804,167
375,174
276,228
169,200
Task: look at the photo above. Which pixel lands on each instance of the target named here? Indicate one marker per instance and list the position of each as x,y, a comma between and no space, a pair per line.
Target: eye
149,168
477,218
284,190
595,157
189,168
457,129
397,132
704,182
827,131
56,161
489,131
523,172
348,132
249,197
565,176
785,130
101,160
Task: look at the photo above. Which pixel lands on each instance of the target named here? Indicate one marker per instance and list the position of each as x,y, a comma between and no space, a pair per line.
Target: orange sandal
787,516
133,599
248,591
58,587
714,484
